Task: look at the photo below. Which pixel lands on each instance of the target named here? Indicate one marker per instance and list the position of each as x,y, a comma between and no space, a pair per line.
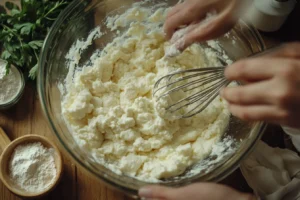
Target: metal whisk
190,91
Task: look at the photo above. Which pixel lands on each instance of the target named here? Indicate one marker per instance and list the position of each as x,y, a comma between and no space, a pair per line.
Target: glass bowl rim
40,86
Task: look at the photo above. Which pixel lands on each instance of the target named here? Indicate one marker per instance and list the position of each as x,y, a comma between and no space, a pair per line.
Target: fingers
182,15
193,191
254,93
156,192
206,30
288,50
248,70
175,9
255,69
257,113
263,68
178,38
208,27
202,24
203,191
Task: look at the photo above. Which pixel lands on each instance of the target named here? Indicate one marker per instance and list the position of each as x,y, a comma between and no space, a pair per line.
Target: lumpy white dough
111,113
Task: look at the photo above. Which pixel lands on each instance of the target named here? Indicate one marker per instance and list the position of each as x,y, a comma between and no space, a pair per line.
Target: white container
270,15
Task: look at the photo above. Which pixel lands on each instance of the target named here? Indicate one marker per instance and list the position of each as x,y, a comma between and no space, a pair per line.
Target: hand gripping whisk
189,92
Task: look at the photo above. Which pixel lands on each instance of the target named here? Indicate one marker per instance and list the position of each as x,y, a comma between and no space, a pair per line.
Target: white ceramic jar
270,15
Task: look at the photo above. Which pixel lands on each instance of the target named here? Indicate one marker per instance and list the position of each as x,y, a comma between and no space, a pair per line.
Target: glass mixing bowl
76,22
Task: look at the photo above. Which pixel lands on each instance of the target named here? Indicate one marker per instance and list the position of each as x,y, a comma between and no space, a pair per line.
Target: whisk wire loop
202,86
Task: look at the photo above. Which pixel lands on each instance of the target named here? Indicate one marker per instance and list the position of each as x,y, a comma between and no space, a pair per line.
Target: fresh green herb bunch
23,30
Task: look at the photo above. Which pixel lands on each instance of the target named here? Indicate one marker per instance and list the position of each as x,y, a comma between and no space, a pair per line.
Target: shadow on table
23,109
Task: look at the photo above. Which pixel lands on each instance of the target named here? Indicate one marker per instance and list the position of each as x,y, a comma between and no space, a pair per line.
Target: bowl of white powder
30,166
12,85
97,70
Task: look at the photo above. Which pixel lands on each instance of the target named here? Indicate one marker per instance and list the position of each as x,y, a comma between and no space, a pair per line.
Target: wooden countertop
27,118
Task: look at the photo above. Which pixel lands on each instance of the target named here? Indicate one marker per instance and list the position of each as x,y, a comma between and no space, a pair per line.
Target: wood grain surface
4,140
27,118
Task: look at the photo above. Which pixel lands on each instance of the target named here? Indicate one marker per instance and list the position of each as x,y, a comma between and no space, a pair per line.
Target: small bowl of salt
30,166
12,85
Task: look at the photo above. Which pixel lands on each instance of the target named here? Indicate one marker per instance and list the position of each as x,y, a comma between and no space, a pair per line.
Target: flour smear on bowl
108,103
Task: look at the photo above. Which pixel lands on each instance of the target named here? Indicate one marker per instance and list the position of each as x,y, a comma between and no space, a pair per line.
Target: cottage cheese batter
111,113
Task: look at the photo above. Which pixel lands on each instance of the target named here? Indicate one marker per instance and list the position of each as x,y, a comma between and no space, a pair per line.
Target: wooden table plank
67,187
16,122
89,186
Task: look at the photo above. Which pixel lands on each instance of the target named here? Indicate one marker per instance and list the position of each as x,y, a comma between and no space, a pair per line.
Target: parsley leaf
23,30
36,44
33,71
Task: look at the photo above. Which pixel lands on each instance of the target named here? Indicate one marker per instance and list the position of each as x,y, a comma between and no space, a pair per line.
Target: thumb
156,192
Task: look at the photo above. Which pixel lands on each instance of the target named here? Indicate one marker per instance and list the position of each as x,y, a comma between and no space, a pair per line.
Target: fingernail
145,192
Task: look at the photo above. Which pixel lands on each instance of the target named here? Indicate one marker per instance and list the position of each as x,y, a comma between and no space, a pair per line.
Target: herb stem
54,8
52,19
17,35
36,56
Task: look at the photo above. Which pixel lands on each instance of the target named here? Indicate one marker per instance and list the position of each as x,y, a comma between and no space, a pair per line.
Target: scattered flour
32,167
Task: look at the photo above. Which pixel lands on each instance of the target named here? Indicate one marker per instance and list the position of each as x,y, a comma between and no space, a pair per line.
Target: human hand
201,191
194,14
272,89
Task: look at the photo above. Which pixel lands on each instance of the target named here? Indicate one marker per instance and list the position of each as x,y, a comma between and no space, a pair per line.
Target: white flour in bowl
109,107
32,167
